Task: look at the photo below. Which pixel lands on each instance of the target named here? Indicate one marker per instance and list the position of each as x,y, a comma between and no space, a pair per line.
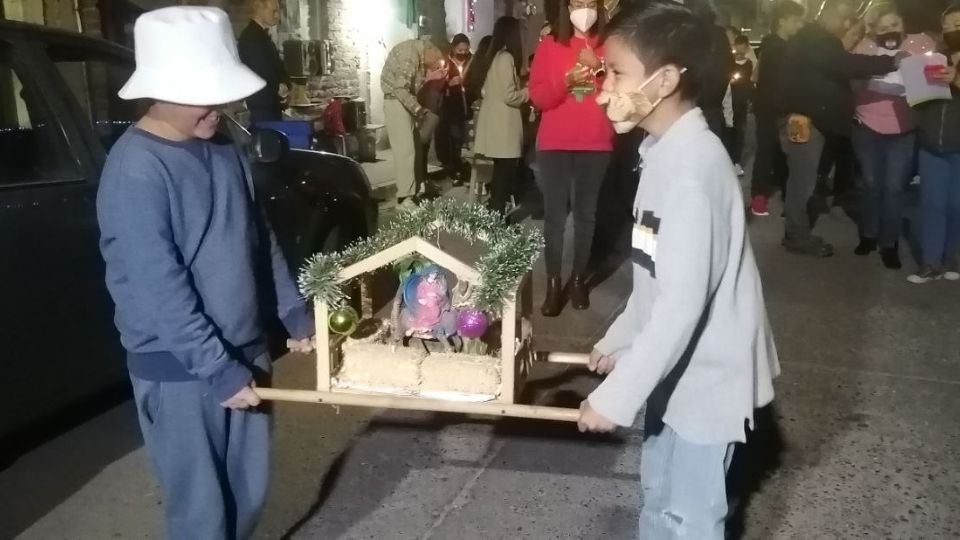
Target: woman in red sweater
574,142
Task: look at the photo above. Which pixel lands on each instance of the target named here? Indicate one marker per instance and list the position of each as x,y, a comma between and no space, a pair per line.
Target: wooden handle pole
535,412
568,358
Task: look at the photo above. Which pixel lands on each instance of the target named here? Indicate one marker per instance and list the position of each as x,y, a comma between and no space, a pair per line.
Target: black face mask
952,40
462,56
890,40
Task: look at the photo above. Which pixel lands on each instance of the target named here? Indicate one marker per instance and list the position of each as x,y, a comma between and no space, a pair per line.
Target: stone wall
348,57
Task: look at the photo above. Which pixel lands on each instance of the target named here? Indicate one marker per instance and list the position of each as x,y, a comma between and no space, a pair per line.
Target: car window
33,147
95,79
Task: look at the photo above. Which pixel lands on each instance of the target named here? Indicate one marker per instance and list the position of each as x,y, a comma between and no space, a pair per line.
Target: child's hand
591,420
246,398
601,364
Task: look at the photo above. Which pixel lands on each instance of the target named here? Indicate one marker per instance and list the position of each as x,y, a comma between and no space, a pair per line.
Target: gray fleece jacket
695,327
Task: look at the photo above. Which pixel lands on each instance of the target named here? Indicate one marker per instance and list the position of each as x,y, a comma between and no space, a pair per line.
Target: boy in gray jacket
693,342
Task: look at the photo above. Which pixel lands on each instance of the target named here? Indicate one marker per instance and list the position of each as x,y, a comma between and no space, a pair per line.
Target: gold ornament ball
343,321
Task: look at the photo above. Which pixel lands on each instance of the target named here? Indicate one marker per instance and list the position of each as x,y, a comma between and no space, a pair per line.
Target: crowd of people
830,94
818,113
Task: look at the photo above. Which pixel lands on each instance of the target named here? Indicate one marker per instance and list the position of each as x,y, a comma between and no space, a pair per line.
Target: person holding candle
500,121
574,142
454,111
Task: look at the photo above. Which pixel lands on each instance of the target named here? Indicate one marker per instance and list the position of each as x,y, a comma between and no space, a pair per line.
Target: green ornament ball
343,321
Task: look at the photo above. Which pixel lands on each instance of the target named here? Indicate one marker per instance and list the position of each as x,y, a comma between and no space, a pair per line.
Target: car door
56,334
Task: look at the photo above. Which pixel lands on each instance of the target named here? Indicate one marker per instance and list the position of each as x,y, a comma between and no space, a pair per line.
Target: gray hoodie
696,320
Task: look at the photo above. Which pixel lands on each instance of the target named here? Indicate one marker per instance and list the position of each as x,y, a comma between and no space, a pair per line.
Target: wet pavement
863,440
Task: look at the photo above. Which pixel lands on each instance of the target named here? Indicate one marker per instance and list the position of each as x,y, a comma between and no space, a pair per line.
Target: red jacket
566,123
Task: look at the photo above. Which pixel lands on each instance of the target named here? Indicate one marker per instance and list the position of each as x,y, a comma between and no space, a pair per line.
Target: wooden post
508,352
324,359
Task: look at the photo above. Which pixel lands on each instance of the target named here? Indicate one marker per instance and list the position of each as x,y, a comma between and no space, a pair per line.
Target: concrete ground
863,441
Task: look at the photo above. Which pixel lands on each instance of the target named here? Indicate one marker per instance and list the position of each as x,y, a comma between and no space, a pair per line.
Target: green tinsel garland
511,251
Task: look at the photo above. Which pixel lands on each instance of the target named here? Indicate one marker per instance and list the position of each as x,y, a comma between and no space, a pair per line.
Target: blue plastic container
299,132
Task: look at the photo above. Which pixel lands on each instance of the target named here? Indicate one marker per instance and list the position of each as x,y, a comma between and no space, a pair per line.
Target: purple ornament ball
472,323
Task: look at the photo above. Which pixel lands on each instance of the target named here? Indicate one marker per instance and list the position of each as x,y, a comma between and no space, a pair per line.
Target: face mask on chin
889,40
583,19
952,40
627,109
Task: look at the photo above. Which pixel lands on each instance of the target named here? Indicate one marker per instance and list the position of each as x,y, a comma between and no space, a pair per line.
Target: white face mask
583,19
627,109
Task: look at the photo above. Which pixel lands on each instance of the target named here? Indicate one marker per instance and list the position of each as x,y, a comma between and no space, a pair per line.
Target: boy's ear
670,82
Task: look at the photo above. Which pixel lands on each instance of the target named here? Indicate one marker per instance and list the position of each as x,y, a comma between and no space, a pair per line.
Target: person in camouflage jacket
407,67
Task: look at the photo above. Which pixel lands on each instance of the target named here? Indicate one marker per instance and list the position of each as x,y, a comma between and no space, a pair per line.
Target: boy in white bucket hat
190,262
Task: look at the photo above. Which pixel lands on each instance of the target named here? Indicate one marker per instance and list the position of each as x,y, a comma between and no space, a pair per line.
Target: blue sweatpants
684,486
212,462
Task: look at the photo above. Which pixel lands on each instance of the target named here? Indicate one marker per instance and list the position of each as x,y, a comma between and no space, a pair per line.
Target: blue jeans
887,163
939,208
212,463
684,486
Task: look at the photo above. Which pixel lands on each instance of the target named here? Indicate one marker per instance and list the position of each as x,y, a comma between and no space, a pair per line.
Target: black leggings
503,182
570,180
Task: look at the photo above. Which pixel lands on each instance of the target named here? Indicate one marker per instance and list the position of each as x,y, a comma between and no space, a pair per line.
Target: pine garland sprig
318,280
512,251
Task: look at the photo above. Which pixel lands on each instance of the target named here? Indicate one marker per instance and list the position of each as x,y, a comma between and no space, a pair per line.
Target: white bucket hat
188,56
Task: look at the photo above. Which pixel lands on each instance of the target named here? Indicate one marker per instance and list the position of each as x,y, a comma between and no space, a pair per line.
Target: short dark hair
741,40
458,39
951,9
562,29
784,10
666,34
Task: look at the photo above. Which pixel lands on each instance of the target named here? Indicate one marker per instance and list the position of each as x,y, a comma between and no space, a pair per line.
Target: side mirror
268,146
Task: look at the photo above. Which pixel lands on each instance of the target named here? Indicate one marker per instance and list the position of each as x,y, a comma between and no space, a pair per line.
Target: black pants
738,133
570,180
503,182
770,165
837,156
611,237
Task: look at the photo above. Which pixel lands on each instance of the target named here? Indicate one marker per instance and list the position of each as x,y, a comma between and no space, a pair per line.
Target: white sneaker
952,271
926,274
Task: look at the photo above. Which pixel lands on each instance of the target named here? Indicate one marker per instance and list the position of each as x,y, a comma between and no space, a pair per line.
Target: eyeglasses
580,4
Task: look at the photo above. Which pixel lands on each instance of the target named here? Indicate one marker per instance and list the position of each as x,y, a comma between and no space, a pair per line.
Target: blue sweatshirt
186,248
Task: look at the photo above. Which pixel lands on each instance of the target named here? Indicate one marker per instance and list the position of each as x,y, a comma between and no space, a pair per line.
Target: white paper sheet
918,88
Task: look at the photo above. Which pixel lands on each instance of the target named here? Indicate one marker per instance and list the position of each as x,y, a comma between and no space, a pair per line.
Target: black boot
891,257
579,294
553,303
866,246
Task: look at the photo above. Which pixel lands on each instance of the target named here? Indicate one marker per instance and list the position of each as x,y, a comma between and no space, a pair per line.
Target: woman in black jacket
939,135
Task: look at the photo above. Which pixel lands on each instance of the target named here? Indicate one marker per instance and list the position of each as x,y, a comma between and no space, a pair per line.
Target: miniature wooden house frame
515,356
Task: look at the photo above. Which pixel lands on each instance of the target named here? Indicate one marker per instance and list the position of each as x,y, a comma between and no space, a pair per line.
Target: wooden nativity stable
380,370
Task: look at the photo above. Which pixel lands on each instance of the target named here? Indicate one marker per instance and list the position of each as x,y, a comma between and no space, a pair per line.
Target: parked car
59,116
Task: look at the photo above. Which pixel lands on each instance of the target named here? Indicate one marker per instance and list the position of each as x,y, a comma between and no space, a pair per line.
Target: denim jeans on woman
939,208
887,165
